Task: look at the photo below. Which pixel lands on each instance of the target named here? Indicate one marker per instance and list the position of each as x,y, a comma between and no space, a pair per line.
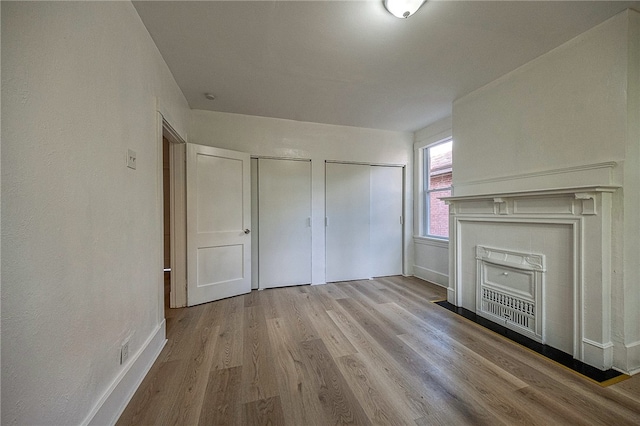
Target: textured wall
80,243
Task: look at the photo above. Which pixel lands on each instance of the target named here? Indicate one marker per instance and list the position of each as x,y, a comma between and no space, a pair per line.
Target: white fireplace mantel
584,193
572,228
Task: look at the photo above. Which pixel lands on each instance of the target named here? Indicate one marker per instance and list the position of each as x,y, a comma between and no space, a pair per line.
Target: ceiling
350,62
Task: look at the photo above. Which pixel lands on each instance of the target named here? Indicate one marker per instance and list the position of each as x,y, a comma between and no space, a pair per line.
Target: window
437,184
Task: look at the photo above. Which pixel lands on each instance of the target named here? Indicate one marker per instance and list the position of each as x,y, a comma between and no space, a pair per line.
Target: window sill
430,241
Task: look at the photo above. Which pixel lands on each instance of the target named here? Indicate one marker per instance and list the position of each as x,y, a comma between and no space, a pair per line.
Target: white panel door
386,221
218,220
284,211
347,214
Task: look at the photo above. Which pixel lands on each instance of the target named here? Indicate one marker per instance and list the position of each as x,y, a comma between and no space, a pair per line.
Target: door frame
177,217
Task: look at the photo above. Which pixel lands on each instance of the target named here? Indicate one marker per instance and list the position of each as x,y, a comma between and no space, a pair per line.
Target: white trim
598,351
632,345
173,135
271,157
631,356
422,190
598,174
632,371
358,163
451,295
598,345
430,241
438,131
117,396
159,244
170,118
431,276
178,224
580,192
177,205
442,129
606,165
434,140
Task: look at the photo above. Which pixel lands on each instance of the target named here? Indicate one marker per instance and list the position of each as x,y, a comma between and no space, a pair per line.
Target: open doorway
174,218
166,212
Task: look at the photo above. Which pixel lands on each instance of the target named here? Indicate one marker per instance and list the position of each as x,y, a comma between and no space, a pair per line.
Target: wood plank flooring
359,352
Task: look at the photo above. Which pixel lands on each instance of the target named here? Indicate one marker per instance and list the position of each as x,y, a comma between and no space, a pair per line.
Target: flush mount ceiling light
403,8
210,96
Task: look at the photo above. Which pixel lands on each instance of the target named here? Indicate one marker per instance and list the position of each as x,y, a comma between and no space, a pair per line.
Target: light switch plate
131,159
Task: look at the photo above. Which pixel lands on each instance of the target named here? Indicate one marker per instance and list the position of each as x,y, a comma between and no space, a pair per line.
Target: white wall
261,136
564,109
431,256
80,232
0,243
568,118
627,296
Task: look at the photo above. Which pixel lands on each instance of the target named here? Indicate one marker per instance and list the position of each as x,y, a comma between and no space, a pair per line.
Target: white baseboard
626,357
633,358
632,372
432,276
597,354
115,399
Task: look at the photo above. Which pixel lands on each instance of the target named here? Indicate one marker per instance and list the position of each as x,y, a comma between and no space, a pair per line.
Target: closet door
347,227
386,221
284,227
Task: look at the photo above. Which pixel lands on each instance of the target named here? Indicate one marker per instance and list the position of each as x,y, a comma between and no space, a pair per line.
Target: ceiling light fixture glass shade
403,8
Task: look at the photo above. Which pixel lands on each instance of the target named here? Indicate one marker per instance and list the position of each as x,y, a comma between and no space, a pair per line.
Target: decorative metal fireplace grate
518,311
510,289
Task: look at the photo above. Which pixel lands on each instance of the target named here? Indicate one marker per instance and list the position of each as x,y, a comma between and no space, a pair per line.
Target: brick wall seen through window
438,177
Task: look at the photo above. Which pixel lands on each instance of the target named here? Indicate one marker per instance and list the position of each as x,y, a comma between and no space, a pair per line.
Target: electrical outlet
131,159
124,352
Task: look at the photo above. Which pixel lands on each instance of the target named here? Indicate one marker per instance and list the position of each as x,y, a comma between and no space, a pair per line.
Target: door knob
246,231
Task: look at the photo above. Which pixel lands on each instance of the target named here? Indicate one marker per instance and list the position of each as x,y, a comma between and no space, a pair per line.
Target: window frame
425,207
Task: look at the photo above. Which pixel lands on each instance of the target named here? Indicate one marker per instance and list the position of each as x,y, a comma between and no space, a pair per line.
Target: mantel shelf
576,191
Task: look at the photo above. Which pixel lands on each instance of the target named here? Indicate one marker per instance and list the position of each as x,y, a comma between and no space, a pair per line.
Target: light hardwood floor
360,352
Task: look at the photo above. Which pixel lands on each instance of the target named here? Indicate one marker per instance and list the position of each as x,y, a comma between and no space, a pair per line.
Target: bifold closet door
347,228
386,221
284,222
364,221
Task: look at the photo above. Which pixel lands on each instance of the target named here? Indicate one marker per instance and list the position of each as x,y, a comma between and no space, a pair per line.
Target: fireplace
509,289
533,262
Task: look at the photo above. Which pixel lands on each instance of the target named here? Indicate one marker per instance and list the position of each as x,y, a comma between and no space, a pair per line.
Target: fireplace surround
539,263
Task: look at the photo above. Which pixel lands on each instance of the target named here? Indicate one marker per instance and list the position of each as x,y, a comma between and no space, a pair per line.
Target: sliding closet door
347,230
386,221
284,214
